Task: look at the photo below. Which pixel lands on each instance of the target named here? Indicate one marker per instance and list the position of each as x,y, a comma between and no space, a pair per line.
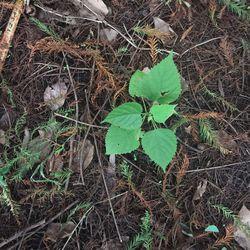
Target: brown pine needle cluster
226,239
212,9
227,49
204,115
152,41
182,172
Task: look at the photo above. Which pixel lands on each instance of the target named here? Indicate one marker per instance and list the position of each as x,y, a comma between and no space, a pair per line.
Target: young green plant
160,88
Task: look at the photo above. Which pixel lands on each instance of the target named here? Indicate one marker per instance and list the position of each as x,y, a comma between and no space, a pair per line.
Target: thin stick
83,123
9,31
41,224
107,191
218,167
200,44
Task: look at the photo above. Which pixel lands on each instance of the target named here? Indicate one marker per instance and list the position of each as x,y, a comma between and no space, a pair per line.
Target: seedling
159,89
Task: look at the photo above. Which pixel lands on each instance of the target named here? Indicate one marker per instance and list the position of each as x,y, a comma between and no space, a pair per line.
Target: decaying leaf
57,231
184,84
114,244
164,28
55,163
84,156
40,145
2,137
7,119
226,141
94,9
55,95
242,232
108,35
201,189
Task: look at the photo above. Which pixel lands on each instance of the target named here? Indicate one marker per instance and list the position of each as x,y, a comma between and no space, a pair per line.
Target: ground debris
242,232
57,231
55,95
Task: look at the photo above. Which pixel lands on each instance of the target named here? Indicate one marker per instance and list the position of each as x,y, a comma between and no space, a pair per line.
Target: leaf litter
55,95
242,229
58,231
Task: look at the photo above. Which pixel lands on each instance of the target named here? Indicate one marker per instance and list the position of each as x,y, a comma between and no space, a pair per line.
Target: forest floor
59,190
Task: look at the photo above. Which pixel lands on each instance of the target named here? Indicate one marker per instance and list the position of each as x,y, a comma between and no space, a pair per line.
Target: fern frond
218,98
238,7
210,136
145,237
44,28
6,199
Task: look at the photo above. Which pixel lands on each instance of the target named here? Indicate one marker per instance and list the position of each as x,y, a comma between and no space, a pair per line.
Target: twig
41,224
9,31
83,123
218,167
81,220
19,234
200,44
107,191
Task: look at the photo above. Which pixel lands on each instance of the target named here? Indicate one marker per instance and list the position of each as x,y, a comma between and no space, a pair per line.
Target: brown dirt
169,197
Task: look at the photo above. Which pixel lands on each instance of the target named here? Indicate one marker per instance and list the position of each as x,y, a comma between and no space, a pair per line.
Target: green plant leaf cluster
161,86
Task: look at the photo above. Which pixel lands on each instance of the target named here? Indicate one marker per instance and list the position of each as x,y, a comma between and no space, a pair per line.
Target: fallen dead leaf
57,231
55,95
84,156
40,145
226,140
94,9
240,235
55,163
201,189
164,28
7,119
115,244
2,137
108,35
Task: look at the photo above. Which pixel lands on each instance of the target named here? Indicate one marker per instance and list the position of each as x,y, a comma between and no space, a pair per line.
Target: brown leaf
94,9
55,163
108,35
57,231
226,140
240,235
84,156
167,33
55,95
201,189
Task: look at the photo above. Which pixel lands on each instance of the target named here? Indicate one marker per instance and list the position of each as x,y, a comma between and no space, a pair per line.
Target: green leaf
160,145
162,112
162,83
121,141
127,116
134,86
212,228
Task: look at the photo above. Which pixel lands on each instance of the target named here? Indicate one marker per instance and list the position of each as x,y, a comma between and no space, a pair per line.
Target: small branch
10,31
